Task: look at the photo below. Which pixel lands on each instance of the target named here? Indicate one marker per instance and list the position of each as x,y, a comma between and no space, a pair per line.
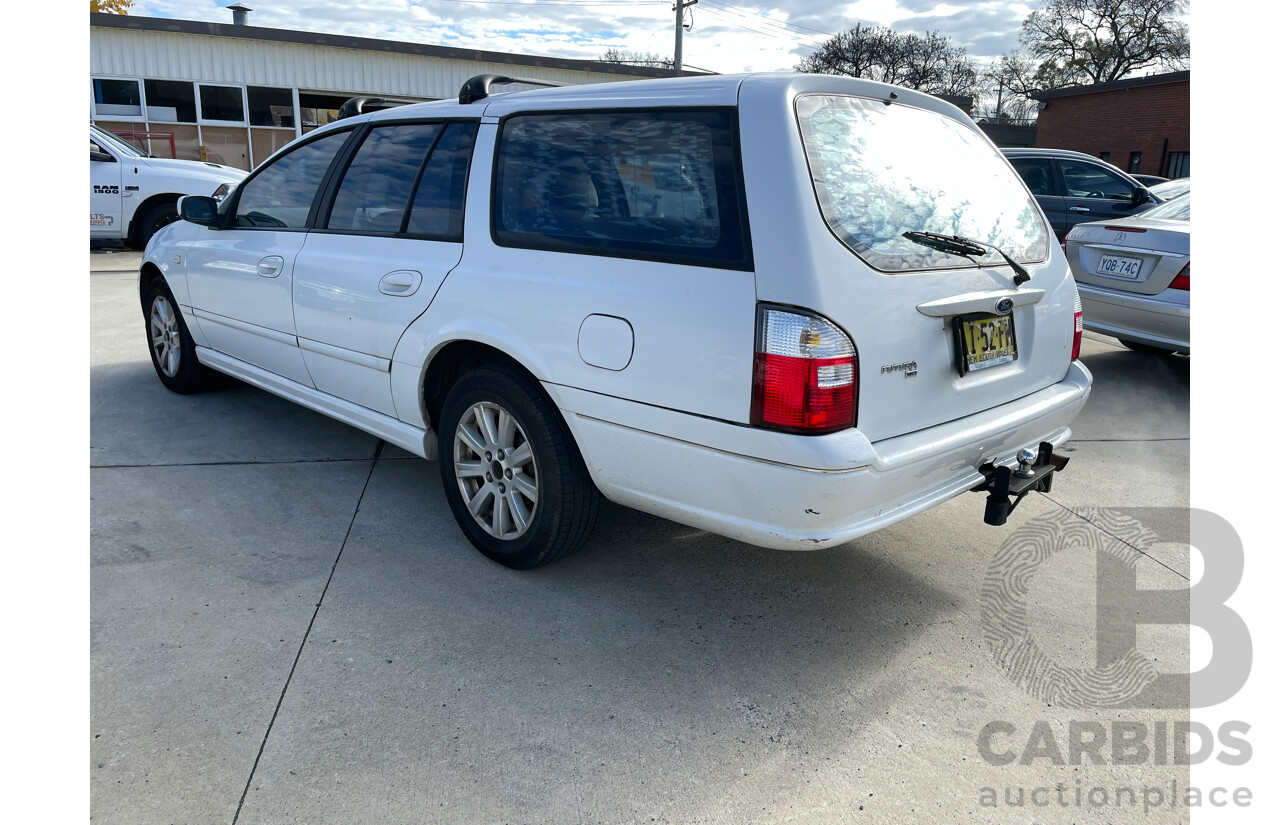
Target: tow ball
1006,487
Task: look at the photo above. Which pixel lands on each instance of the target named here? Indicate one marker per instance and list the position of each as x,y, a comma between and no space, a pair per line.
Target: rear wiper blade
966,247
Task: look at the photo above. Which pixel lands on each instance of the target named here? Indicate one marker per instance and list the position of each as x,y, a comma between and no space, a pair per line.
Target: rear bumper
1143,318
797,492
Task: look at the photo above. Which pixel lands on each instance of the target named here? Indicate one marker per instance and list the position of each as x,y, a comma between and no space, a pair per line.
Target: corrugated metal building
234,94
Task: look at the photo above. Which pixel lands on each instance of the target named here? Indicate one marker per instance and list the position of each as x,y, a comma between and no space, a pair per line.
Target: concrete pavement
288,626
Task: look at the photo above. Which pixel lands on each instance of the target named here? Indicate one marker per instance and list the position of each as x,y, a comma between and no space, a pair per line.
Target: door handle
269,267
401,283
1078,208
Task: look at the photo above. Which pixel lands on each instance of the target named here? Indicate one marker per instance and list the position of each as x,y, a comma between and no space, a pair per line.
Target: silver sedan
1134,276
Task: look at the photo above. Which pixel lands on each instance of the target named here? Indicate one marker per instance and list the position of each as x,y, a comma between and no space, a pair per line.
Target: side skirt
418,441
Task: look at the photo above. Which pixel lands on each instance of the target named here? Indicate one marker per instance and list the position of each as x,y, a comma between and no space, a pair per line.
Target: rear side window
660,185
438,202
279,196
376,187
1037,173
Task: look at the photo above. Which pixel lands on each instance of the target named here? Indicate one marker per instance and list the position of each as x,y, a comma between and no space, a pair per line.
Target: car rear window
661,185
881,170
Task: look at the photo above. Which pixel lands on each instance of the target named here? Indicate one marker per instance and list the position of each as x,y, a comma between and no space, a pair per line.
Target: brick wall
1121,121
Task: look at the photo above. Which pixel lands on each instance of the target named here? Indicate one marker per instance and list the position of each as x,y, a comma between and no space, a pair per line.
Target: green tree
110,6
929,63
1097,41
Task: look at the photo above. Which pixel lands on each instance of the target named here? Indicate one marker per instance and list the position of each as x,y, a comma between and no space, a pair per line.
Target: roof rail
477,88
361,105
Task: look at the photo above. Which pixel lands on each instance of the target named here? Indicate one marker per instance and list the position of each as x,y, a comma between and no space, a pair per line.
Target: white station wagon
788,309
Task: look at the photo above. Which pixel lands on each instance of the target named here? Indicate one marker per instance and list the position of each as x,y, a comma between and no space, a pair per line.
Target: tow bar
1006,486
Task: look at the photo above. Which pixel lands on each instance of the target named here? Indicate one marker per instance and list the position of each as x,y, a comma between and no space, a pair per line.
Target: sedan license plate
985,341
1114,266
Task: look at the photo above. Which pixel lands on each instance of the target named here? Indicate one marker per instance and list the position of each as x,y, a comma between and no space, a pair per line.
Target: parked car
1072,187
1147,180
686,295
132,195
1171,189
1134,276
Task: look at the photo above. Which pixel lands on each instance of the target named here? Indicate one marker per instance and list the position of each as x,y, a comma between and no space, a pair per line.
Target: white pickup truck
132,195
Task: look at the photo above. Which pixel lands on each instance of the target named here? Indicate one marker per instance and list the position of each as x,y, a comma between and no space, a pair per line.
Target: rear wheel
173,353
512,474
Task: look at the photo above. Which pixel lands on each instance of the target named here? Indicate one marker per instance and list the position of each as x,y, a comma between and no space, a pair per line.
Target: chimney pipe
239,14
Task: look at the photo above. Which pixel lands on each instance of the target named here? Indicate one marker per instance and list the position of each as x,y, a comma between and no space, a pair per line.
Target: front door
104,192
241,277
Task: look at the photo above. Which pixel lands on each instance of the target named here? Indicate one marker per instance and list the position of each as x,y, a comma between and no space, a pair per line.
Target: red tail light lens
806,374
1183,281
1078,335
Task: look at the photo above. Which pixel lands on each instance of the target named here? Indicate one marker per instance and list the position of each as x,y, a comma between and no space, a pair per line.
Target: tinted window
221,103
881,171
437,205
270,107
1037,173
280,195
654,184
1085,180
376,187
180,96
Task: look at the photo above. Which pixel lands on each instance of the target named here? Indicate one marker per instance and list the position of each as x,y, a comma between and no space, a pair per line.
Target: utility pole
679,7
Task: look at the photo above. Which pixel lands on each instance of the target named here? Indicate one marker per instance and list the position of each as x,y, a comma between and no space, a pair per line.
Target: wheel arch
141,210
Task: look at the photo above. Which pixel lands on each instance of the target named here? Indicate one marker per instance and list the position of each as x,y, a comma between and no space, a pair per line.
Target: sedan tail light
1183,279
1078,335
806,373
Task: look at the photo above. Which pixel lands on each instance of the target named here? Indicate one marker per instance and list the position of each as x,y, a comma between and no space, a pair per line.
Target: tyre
512,474
158,216
173,353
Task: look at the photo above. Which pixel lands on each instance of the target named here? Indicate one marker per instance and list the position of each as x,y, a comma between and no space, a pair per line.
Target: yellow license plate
985,341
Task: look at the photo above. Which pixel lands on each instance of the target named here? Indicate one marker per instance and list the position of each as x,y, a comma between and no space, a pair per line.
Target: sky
725,36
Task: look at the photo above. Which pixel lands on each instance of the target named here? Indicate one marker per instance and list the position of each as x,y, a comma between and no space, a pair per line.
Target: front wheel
512,475
156,217
173,353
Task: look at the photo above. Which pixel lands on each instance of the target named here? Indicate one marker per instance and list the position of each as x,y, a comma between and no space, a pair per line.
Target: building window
270,107
1179,165
1105,156
170,101
225,103
1135,162
116,97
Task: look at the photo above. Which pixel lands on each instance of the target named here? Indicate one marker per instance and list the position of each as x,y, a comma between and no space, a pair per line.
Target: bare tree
651,59
1097,41
929,63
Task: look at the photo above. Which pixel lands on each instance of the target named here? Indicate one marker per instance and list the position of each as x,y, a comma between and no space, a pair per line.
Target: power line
775,34
747,12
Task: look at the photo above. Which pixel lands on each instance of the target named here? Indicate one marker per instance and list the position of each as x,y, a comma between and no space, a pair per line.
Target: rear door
939,335
1042,179
380,251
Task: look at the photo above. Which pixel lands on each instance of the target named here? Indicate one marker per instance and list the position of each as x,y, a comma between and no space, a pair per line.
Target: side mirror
198,209
100,157
1141,195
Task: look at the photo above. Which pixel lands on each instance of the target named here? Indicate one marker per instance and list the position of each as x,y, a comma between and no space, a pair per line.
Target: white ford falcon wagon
788,309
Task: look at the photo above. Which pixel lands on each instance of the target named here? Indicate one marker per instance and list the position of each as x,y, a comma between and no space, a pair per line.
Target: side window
438,203
97,153
376,187
651,184
279,196
1084,180
1037,173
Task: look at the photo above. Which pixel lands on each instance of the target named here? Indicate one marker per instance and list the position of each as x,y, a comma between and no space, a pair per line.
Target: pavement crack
1106,532
377,454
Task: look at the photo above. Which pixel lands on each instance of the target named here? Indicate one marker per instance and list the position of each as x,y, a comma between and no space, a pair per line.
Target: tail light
1183,279
1078,335
806,374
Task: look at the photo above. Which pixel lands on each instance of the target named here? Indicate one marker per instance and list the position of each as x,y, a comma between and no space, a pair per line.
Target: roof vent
239,14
